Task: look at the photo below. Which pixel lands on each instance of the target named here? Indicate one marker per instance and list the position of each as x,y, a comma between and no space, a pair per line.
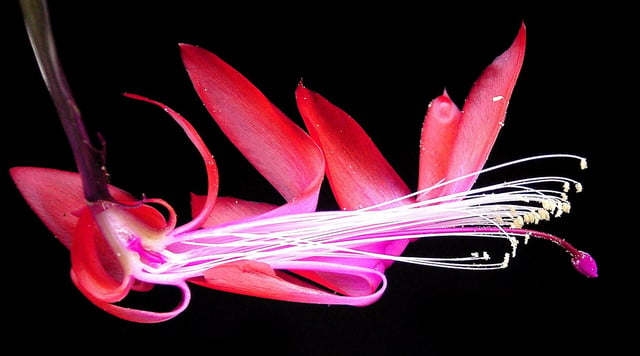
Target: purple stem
88,159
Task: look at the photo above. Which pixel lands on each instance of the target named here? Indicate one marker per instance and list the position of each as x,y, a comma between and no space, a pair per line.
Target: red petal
261,280
210,164
484,113
56,197
228,209
358,173
137,315
283,153
438,136
88,273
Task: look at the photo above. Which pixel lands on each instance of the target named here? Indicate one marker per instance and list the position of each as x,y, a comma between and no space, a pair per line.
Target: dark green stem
89,160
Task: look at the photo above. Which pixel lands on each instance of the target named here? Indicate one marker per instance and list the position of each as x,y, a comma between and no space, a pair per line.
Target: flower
292,252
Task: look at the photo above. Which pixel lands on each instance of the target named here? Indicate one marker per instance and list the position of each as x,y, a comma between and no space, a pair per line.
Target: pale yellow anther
583,163
517,223
536,217
558,211
566,207
543,214
548,205
566,187
505,262
578,187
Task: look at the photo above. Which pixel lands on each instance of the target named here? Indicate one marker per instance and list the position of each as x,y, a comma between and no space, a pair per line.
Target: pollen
549,205
485,256
505,262
583,163
578,187
544,214
497,98
517,223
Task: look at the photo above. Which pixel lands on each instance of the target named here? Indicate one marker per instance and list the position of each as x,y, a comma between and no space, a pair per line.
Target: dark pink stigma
582,261
585,264
148,256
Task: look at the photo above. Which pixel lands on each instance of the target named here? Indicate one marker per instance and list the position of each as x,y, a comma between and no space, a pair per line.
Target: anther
583,163
505,262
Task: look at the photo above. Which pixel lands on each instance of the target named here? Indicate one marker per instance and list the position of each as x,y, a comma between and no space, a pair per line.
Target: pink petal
88,272
358,173
56,197
261,280
229,209
210,164
484,113
145,316
137,315
438,136
283,153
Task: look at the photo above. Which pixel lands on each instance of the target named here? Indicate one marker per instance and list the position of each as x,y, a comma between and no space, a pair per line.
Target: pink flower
292,252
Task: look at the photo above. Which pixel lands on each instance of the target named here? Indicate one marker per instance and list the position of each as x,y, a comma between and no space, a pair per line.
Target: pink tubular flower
292,252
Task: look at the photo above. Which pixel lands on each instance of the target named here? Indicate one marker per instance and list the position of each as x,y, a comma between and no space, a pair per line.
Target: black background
381,64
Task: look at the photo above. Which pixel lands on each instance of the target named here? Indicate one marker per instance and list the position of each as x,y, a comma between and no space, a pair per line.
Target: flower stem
89,160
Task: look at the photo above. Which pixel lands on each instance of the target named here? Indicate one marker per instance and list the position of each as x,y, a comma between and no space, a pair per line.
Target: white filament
341,234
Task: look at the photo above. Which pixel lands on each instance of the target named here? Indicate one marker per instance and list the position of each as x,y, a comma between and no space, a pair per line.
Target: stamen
494,211
583,163
582,261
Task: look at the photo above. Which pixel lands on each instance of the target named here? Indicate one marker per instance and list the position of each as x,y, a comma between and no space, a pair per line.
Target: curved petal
282,152
358,173
90,276
56,197
137,315
484,113
210,164
262,280
436,142
229,209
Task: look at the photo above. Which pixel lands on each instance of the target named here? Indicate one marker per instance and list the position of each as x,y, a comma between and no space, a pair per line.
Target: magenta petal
280,150
262,280
56,197
138,315
484,113
229,209
358,173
